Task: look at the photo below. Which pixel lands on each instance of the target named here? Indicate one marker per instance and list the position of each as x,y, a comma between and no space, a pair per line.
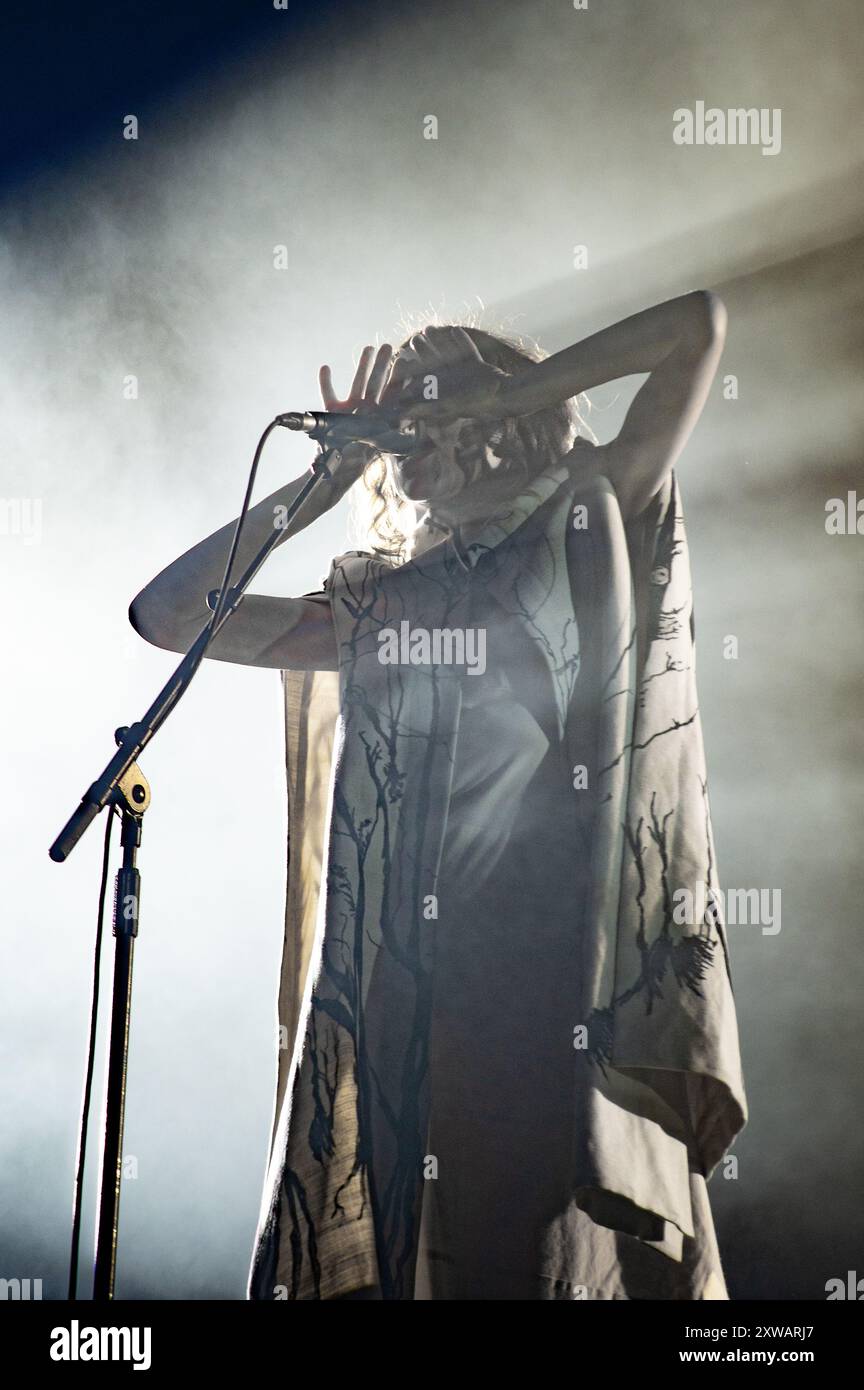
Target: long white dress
523,1096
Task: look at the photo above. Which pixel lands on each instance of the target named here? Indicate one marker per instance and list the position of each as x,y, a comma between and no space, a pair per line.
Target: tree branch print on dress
661,761
346,1176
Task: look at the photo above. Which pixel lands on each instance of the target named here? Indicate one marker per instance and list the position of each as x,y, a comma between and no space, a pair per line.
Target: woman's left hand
363,398
466,386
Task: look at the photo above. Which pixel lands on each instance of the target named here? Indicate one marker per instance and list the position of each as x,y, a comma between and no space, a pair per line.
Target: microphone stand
122,783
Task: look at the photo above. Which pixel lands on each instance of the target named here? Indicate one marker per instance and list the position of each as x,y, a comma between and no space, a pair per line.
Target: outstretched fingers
424,349
361,376
328,395
447,337
379,374
369,379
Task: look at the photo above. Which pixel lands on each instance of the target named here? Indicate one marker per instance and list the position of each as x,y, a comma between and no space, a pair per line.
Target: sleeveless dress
498,1221
499,1047
547,1173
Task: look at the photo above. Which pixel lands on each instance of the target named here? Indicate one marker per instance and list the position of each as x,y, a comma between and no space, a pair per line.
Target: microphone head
297,420
332,428
380,432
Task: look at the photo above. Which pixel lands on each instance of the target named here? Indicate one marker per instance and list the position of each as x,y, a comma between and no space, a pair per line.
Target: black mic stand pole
123,784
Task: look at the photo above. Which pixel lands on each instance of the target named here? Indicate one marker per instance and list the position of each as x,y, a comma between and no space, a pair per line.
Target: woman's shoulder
350,563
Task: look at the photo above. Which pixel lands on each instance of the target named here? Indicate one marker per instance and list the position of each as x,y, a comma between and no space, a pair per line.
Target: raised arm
285,633
679,342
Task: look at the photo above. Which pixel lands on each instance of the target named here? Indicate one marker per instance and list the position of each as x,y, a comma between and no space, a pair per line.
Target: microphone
332,428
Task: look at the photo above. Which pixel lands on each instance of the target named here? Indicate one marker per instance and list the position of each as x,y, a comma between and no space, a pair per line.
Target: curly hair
522,446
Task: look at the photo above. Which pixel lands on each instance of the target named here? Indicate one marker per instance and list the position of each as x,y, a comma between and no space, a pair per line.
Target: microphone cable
218,609
91,1053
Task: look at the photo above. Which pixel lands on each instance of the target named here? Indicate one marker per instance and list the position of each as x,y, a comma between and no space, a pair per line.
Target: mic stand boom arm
137,736
123,784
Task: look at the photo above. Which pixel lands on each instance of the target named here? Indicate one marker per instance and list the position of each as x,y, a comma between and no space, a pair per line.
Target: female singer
514,1067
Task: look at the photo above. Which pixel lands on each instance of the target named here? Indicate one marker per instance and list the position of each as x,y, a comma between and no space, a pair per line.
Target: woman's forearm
172,608
633,345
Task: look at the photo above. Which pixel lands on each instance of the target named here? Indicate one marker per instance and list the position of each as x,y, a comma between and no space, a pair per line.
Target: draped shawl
657,1085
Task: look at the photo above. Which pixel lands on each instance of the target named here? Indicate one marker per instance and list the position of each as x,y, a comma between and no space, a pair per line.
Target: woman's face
448,457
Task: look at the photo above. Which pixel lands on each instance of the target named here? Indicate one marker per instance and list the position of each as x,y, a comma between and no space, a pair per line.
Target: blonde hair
386,522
